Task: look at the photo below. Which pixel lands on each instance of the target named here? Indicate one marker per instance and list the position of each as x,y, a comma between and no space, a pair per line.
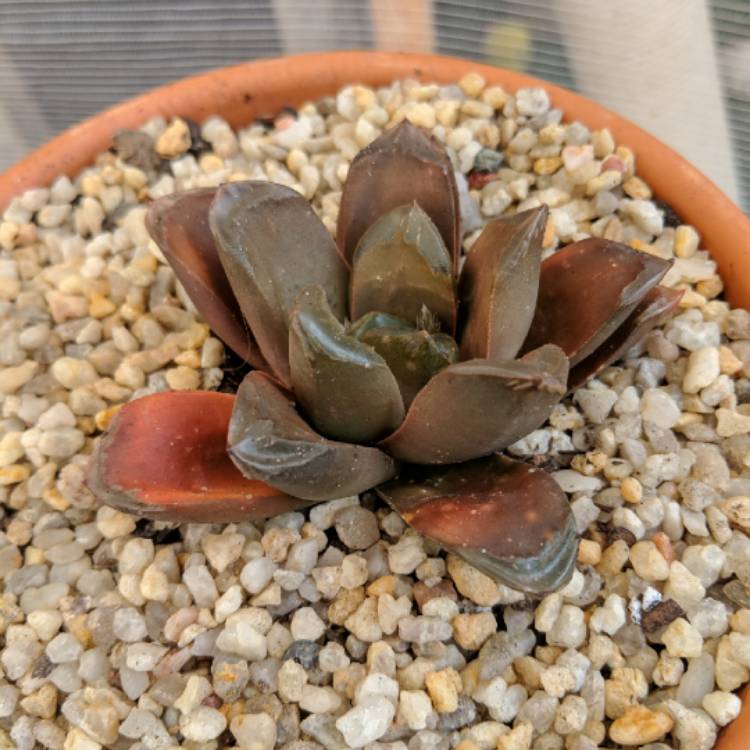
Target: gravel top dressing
339,627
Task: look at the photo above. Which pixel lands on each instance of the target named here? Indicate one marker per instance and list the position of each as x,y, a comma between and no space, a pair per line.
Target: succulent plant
377,364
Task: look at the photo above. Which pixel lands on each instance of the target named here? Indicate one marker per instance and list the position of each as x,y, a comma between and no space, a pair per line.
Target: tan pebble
547,165
13,378
614,558
472,583
103,418
730,423
605,181
710,288
383,585
175,140
589,552
210,163
549,233
495,96
14,474
472,84
55,499
100,306
519,738
686,241
729,363
737,510
739,621
637,189
631,490
639,725
189,358
183,379
471,630
682,639
467,745
603,142
443,687
664,545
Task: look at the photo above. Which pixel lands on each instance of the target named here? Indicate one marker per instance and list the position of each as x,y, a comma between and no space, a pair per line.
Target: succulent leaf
412,356
402,166
400,266
477,407
164,457
344,386
178,223
498,285
508,519
272,245
372,321
652,310
586,291
268,440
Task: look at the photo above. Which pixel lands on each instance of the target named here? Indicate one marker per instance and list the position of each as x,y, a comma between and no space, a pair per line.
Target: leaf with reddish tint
508,519
499,284
344,386
650,312
586,290
178,224
477,407
268,440
400,266
165,457
272,245
402,166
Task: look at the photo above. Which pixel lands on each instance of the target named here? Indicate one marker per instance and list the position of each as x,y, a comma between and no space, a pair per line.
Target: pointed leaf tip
499,284
164,457
400,266
402,166
268,440
509,520
650,312
272,245
178,223
586,290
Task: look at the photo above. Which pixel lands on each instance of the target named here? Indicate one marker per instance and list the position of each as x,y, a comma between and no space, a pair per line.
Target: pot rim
244,92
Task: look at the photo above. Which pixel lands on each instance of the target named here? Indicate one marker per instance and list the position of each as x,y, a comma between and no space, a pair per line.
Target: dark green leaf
272,245
374,320
651,311
499,284
400,266
508,519
344,386
402,166
477,407
268,440
178,224
412,356
586,290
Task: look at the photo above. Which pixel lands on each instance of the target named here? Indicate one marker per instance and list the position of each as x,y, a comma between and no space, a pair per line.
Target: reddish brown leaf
269,440
400,167
477,407
499,284
508,519
178,224
652,310
586,290
165,457
272,245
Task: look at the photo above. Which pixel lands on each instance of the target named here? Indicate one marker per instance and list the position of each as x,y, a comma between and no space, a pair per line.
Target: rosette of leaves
377,363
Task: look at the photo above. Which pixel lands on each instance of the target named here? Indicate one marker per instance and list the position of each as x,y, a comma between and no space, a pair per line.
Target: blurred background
679,68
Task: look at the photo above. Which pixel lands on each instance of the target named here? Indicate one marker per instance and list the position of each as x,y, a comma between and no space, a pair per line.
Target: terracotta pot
244,92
